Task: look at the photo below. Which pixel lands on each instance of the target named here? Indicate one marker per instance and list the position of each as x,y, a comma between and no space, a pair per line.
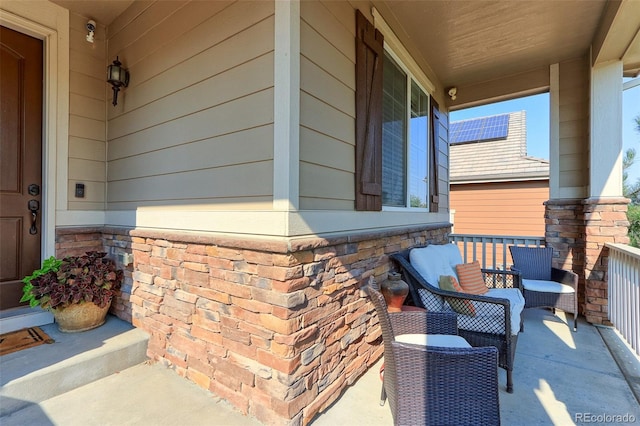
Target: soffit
466,42
102,11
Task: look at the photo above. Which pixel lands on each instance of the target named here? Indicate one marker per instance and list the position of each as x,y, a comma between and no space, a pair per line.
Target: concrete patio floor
560,378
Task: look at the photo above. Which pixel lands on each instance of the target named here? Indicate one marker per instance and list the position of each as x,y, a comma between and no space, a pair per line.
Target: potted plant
77,289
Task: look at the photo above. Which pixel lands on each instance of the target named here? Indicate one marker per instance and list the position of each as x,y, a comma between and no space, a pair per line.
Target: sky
537,108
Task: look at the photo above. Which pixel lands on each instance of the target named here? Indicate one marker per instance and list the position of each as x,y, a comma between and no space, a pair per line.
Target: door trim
50,23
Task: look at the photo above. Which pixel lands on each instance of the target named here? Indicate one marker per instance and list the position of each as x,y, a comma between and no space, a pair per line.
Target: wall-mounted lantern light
118,77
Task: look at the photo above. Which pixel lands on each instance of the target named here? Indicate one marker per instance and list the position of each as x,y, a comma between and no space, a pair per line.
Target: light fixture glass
118,77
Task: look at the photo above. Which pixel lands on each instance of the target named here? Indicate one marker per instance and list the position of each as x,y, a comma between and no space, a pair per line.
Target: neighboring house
267,157
496,189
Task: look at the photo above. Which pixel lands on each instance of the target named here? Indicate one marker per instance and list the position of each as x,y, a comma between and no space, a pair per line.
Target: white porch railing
491,250
624,292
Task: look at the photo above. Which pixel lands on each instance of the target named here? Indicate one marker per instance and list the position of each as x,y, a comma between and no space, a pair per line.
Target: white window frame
410,78
403,58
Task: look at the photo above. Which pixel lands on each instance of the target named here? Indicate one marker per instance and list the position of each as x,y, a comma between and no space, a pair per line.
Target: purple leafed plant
75,279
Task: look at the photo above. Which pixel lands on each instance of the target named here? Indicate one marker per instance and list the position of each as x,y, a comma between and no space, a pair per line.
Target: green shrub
633,215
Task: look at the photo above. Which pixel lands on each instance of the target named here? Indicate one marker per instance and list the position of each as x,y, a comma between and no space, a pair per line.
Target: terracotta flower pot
80,317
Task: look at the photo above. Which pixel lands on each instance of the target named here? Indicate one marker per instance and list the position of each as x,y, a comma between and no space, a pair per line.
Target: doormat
22,339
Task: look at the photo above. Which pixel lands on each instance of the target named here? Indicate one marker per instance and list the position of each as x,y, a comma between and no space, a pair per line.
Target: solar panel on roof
479,129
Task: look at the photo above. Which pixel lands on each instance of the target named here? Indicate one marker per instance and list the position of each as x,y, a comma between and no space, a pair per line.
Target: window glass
394,134
405,130
418,147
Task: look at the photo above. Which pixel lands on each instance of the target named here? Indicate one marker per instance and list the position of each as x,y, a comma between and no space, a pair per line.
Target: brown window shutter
369,59
434,155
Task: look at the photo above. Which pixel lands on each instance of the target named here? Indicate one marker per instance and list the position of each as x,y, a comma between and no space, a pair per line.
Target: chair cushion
470,277
450,283
440,340
545,286
490,318
431,262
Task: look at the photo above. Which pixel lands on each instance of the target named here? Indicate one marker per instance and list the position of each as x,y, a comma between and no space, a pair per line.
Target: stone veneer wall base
277,328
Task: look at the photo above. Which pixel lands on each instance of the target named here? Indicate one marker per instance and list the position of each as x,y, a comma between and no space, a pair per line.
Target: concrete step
75,359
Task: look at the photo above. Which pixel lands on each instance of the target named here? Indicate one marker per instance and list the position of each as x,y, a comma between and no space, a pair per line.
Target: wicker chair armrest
474,297
423,322
565,277
454,375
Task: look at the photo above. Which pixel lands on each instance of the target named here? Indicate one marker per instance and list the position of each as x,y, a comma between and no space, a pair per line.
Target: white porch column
286,137
605,160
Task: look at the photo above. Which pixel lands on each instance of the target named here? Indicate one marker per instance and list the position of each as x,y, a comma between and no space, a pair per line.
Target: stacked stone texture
578,231
605,221
277,329
113,241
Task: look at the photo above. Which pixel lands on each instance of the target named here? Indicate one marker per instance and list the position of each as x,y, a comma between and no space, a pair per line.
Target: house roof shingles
497,160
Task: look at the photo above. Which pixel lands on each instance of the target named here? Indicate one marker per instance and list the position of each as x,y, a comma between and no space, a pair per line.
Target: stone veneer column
578,230
564,232
605,221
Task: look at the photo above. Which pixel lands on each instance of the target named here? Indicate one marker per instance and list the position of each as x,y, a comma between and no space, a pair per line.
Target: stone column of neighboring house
578,231
277,328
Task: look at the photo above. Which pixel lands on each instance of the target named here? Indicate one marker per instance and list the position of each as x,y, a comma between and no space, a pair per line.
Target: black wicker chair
429,385
478,331
544,286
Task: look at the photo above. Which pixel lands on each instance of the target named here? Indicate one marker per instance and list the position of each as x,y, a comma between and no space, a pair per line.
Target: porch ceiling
470,42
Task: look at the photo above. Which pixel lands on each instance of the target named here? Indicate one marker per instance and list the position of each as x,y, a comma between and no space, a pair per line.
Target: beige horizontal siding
326,183
91,108
208,204
87,128
195,126
233,148
511,208
314,203
93,195
237,49
80,169
327,106
87,116
320,84
217,21
324,118
314,145
255,75
242,180
146,23
87,149
574,123
244,113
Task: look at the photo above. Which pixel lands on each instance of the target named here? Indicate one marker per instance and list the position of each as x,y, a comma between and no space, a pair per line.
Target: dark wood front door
21,86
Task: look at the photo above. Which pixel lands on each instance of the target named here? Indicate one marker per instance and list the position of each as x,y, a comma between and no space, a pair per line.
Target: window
392,106
405,130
